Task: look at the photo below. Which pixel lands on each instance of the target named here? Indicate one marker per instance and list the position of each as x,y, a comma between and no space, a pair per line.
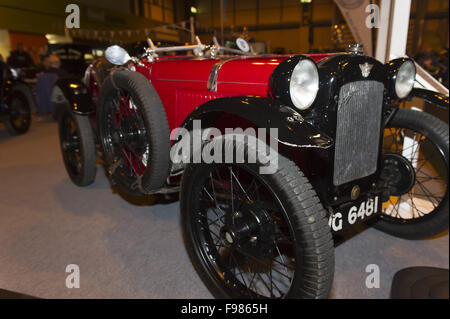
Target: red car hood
234,69
182,82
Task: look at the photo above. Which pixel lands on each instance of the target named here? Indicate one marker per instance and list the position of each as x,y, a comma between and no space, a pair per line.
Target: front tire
423,210
285,238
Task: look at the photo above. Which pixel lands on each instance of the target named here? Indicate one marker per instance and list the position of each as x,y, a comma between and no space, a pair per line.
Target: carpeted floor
132,248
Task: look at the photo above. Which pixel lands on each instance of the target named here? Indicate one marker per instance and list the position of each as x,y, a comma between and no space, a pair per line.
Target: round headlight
304,84
404,81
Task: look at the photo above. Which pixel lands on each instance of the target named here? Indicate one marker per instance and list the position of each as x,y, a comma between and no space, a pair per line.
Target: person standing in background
20,58
54,66
46,80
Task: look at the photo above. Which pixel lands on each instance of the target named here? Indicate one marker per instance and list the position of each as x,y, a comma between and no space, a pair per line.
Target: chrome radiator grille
357,131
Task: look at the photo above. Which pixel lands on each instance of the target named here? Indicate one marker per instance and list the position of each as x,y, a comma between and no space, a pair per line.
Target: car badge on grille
365,69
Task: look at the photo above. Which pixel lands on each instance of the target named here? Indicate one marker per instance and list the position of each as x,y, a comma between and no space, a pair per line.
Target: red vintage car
318,144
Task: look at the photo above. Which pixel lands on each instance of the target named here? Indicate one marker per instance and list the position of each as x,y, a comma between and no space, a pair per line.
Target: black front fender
75,94
435,98
266,113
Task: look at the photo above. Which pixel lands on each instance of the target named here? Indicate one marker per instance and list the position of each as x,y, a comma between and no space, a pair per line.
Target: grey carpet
133,248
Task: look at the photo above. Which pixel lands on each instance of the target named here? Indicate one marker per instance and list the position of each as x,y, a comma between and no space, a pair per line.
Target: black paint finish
431,97
264,113
77,95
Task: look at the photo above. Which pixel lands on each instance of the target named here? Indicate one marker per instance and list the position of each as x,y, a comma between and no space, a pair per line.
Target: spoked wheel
134,133
415,172
126,139
77,147
20,114
256,236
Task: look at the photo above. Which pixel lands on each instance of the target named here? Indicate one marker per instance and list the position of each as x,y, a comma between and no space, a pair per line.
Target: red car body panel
181,82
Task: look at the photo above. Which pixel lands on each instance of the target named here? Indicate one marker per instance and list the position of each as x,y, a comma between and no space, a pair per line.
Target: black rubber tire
314,275
152,110
85,175
18,96
437,132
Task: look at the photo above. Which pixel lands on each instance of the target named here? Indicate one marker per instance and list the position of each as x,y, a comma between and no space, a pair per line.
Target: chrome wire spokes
248,241
431,174
128,136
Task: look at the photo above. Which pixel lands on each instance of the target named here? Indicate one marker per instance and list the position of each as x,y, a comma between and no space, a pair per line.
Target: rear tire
78,149
134,132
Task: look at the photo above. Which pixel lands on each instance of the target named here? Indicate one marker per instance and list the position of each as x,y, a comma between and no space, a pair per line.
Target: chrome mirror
117,55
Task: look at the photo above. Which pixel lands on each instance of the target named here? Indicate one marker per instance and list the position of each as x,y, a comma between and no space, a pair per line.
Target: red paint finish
181,82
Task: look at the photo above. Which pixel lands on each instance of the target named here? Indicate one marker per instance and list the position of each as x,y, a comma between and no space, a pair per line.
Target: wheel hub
251,231
398,174
132,134
71,145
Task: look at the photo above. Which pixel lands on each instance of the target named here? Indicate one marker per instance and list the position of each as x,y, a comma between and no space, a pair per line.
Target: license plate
356,213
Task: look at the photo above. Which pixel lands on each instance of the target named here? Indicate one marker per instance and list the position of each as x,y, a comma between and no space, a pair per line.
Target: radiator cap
356,48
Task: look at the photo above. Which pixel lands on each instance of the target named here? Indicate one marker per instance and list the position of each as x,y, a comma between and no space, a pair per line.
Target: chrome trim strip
199,81
244,83
178,80
212,81
150,73
87,75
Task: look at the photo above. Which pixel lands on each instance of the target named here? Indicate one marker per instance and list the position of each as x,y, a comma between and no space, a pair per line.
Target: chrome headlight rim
281,80
396,69
404,81
304,84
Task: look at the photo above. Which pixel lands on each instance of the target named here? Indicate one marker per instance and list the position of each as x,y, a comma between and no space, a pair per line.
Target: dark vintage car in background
75,58
16,100
346,153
